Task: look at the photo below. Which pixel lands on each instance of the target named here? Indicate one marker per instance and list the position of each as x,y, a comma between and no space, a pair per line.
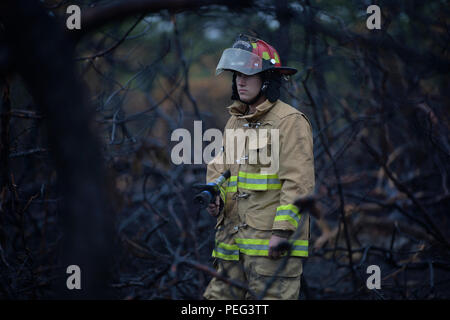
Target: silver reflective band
226,251
232,183
253,246
259,181
290,213
299,248
239,60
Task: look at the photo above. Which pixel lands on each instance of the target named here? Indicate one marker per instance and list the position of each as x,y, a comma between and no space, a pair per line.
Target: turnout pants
263,277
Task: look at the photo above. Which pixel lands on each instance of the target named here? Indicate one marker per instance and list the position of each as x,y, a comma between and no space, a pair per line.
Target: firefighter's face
248,86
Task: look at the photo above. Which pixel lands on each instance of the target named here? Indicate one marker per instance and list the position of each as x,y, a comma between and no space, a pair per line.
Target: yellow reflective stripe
251,241
260,247
299,248
301,243
253,181
222,193
287,218
265,55
232,184
257,181
297,253
254,45
220,255
253,247
254,252
226,251
259,186
250,175
227,246
288,212
291,207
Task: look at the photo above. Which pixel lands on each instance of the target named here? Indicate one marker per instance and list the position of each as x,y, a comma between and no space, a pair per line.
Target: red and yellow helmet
250,56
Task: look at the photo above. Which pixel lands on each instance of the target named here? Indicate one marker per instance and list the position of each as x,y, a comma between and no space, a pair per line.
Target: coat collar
239,108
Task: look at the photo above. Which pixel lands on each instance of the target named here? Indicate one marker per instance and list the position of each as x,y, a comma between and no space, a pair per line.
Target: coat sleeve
214,169
217,166
296,169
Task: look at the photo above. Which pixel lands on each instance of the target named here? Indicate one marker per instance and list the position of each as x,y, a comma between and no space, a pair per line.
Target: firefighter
258,205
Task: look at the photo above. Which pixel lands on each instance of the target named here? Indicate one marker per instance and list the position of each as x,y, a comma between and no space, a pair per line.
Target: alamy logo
374,280
249,146
74,280
374,20
74,20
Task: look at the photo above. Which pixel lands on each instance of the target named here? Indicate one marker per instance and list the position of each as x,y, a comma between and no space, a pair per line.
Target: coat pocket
259,148
269,267
263,151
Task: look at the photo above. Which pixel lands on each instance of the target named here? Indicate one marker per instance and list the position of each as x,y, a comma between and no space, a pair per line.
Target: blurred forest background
86,119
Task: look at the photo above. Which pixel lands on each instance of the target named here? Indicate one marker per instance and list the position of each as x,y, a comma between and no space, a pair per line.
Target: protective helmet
249,56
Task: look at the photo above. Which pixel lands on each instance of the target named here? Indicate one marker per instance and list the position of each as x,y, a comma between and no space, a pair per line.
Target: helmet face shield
239,60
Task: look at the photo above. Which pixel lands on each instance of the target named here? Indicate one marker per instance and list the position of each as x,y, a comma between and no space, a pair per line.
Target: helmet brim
248,63
239,60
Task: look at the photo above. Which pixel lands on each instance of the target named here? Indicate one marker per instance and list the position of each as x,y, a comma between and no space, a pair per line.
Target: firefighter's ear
273,89
265,86
271,85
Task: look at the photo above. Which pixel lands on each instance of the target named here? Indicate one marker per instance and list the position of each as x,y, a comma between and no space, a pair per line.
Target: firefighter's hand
213,209
273,244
